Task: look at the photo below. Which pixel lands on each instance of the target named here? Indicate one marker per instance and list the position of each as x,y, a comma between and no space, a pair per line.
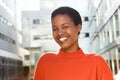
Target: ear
79,26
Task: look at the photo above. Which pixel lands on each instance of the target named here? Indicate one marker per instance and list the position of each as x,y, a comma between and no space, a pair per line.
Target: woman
71,63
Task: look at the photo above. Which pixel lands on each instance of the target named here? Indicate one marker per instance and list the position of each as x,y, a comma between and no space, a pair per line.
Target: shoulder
95,57
47,56
92,55
95,60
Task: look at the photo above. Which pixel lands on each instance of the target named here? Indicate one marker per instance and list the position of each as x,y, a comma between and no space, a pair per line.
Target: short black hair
72,13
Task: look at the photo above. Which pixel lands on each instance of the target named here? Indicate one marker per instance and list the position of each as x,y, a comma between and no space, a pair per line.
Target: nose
60,31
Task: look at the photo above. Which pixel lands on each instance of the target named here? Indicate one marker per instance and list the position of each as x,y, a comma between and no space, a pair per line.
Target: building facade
10,61
37,38
105,31
8,37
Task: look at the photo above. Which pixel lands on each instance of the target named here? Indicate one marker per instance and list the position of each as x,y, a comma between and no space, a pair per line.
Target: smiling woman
71,63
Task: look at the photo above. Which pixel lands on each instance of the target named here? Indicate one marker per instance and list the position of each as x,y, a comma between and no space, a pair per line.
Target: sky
23,5
35,4
28,4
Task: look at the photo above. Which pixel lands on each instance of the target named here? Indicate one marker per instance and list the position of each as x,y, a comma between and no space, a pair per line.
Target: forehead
61,16
61,19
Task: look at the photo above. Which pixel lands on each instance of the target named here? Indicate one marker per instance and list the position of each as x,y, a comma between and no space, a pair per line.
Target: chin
64,47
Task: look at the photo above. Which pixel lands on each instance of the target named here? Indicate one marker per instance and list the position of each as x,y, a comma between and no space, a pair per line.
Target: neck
71,49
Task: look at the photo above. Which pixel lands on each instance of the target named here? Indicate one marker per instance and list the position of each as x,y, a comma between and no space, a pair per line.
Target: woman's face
65,32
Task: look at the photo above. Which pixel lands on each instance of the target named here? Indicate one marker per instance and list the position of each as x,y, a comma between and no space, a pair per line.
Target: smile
63,39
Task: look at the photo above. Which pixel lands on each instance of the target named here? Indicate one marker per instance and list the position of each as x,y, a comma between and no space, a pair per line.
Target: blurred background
25,33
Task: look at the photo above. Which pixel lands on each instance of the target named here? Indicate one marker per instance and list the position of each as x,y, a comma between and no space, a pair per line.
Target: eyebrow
65,24
62,24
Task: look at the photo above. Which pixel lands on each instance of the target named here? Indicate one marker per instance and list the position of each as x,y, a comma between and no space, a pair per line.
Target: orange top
72,66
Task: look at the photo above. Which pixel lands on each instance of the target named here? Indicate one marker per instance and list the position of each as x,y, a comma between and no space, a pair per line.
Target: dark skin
65,32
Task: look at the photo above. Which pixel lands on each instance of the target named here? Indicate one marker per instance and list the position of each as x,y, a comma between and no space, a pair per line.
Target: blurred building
105,31
8,37
10,61
37,38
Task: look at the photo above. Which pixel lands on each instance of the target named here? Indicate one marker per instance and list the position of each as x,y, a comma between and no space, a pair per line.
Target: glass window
117,57
101,40
116,24
104,6
26,57
101,10
106,35
37,37
36,21
111,31
112,61
118,50
108,58
103,37
96,44
37,55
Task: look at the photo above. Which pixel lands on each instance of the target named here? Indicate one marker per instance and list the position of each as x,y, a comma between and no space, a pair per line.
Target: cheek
73,31
54,35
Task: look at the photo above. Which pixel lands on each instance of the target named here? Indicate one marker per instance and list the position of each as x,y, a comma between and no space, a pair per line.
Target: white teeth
63,39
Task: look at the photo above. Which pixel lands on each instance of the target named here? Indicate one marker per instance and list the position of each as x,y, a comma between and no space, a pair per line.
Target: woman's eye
65,27
54,29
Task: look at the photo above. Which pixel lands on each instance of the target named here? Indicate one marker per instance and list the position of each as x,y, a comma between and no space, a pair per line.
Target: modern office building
8,37
10,61
37,38
105,31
